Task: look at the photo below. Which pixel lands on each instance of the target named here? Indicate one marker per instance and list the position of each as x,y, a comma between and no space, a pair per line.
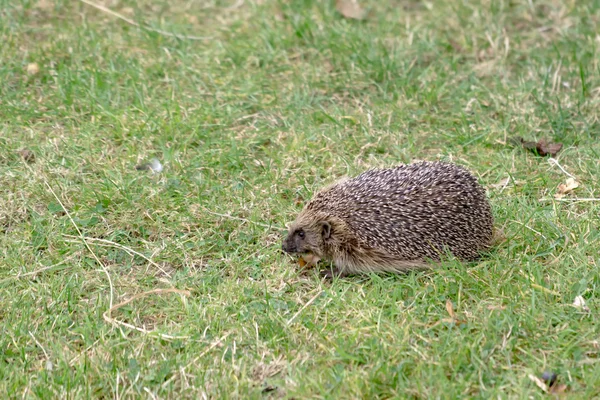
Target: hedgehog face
302,239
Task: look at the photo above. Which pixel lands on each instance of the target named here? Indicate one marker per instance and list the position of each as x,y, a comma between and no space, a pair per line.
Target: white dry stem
132,22
110,284
108,318
108,243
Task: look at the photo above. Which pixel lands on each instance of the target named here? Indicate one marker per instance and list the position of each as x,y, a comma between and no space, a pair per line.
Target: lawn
123,282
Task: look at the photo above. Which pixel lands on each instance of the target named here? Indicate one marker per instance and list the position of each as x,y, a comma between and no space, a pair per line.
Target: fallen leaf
452,321
450,309
33,68
550,379
542,147
538,382
558,388
350,9
495,307
550,148
564,188
302,262
27,155
579,302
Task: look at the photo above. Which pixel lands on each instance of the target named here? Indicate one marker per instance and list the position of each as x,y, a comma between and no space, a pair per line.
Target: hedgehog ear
325,229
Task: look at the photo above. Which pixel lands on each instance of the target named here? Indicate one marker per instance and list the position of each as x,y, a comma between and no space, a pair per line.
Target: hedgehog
398,219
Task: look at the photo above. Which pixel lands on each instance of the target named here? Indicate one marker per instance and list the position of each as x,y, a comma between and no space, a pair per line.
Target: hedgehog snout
289,246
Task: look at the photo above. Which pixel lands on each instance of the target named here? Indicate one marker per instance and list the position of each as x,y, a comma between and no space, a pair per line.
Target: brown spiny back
413,211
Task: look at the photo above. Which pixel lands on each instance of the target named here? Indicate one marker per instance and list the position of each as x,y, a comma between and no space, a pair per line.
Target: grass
281,98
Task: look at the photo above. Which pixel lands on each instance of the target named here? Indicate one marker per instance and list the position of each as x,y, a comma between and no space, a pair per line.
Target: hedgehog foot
332,272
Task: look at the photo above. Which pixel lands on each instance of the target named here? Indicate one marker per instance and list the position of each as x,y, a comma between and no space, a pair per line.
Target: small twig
308,303
555,162
110,284
243,220
108,243
108,318
132,22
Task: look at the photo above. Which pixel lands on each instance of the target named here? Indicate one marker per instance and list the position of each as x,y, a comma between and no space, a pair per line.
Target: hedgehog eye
300,234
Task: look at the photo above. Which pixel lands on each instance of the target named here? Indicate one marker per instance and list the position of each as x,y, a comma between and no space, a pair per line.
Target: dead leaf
33,68
27,155
302,262
542,147
350,9
545,148
496,307
564,188
538,382
450,309
558,388
452,321
550,379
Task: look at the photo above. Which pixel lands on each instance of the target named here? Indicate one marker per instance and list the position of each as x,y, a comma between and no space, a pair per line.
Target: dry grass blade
554,161
37,271
108,243
110,284
450,309
108,318
538,382
308,303
244,220
132,22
